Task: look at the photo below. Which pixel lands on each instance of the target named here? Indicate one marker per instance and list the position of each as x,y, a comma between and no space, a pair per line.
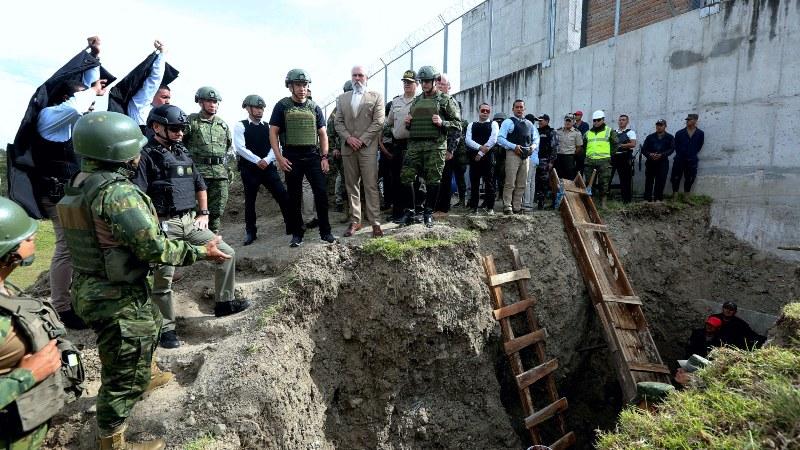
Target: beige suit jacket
367,125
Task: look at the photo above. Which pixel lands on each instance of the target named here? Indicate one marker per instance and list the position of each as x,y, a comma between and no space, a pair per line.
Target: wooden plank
537,373
508,277
575,190
629,299
545,413
565,442
648,367
512,309
588,226
517,344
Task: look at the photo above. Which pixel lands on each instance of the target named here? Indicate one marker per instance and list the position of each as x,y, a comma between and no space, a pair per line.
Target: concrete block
627,60
602,76
684,58
653,70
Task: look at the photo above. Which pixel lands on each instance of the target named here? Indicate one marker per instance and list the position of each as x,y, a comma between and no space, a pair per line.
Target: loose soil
346,349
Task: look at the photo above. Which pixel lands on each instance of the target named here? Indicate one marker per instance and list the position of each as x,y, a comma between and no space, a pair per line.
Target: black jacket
122,93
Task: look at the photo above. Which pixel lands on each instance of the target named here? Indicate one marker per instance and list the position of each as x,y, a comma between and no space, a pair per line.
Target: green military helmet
107,136
428,73
254,100
348,86
15,226
297,75
207,93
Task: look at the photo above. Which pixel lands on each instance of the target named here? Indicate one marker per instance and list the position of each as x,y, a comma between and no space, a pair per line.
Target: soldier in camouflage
21,368
333,143
455,160
113,235
432,116
209,141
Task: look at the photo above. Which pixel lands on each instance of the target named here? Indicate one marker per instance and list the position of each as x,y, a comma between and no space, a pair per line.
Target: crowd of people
142,188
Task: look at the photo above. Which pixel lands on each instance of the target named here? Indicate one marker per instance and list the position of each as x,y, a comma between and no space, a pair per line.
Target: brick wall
634,14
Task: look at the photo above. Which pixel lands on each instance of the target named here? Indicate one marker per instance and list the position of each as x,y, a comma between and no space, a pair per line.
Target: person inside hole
735,331
702,340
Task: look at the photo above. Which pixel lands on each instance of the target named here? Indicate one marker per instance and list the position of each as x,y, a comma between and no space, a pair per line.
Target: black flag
21,179
122,93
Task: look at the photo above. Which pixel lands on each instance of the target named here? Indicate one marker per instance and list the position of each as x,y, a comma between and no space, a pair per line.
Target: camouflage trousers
217,199
127,326
31,441
603,176
424,160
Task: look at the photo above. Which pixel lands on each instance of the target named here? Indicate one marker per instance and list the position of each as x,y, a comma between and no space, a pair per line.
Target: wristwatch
203,212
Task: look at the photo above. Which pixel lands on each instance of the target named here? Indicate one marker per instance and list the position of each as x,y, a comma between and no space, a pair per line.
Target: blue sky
239,46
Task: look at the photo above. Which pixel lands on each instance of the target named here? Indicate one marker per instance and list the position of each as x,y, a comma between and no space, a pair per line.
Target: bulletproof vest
422,127
92,247
623,138
256,138
172,188
54,159
37,323
301,123
546,142
481,132
522,132
207,139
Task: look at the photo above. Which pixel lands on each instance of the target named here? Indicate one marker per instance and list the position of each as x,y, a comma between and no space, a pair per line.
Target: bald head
443,84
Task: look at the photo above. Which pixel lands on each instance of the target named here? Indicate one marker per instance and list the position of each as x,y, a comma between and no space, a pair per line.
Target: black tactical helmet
254,100
167,115
297,75
500,116
207,93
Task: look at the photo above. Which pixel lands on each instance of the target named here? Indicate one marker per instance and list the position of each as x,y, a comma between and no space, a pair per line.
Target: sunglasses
596,120
486,110
176,129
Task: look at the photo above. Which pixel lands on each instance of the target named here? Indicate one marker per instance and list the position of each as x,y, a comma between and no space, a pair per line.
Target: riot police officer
167,174
32,388
113,235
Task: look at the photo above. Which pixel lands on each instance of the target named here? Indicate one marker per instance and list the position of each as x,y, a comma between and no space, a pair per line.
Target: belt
212,160
399,141
173,215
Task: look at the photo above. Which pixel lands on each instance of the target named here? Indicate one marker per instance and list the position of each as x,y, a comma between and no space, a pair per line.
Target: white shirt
492,138
55,122
355,102
141,103
241,150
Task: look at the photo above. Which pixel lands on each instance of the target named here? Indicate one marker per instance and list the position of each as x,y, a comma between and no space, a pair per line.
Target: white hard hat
599,114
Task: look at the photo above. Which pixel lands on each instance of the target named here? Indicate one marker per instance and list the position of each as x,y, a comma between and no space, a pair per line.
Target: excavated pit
348,349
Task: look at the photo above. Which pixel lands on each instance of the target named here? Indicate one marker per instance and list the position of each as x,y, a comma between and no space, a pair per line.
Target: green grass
743,400
201,443
394,249
269,312
23,277
674,203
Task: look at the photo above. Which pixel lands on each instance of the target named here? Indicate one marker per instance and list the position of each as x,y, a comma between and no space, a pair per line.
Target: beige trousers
516,177
362,166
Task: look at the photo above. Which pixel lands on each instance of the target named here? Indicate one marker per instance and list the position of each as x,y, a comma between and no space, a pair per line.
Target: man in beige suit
359,123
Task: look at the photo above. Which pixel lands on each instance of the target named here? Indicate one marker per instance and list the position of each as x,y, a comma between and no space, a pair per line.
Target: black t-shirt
278,117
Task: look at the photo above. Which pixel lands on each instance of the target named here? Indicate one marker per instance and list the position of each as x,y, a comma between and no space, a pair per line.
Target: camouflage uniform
425,157
126,322
334,143
208,142
12,385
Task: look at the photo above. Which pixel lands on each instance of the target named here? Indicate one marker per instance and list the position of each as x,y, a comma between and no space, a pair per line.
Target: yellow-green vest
598,145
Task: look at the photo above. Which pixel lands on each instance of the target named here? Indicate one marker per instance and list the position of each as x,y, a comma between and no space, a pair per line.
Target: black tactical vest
172,187
54,159
256,138
481,132
546,143
522,133
37,323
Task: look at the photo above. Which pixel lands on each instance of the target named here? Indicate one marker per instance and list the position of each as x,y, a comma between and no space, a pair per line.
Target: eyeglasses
176,128
486,110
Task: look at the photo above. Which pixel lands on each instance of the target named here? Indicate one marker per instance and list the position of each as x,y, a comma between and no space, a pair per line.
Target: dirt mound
347,348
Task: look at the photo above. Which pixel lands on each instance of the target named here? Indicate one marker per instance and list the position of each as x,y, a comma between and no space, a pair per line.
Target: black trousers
542,181
306,164
621,164
385,175
482,169
655,178
580,164
252,178
451,167
566,166
686,169
398,149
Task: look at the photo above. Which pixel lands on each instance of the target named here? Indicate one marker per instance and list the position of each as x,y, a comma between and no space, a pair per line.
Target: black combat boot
427,218
169,339
250,237
222,309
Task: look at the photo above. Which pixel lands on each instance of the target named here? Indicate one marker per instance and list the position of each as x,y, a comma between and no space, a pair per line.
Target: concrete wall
739,69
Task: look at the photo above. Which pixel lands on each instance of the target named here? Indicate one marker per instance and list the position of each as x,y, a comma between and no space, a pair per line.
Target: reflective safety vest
422,112
598,145
36,323
301,123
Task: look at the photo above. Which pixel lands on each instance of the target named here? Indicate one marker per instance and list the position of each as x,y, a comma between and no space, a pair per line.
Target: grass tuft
743,400
24,277
201,443
394,249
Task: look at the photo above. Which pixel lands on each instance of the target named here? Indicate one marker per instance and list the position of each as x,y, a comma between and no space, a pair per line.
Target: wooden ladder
534,338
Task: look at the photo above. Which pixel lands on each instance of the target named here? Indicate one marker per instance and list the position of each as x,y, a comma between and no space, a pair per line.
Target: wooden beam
529,377
517,344
565,442
599,227
575,190
648,367
508,277
512,309
629,299
545,413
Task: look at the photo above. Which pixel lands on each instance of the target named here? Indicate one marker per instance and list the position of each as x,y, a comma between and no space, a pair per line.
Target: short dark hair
519,100
484,103
624,115
164,86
